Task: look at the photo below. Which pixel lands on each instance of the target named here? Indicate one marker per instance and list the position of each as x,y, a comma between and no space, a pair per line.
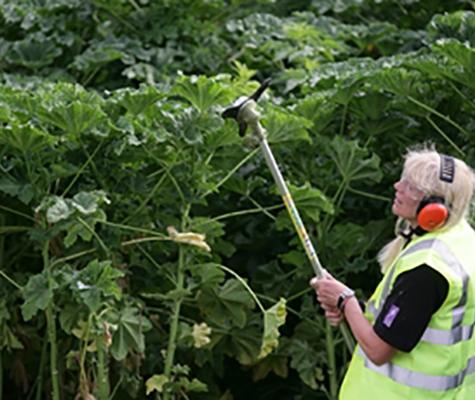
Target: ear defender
432,213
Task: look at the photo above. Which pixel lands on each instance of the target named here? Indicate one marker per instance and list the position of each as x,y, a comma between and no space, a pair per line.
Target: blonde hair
422,168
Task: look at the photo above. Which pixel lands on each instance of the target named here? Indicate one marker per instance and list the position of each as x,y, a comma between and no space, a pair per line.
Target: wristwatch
346,294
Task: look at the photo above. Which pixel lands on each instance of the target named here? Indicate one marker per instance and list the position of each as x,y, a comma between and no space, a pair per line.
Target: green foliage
117,172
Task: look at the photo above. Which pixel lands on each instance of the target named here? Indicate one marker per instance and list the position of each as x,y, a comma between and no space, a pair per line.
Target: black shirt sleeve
415,296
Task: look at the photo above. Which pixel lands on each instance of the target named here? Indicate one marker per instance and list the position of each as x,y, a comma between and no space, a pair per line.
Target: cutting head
233,110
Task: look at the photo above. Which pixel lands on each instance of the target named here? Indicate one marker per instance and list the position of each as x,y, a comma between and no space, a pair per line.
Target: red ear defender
432,213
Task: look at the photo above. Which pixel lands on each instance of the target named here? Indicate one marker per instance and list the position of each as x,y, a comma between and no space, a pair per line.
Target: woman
416,339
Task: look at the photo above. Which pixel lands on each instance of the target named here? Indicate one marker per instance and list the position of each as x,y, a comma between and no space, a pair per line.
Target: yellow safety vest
442,365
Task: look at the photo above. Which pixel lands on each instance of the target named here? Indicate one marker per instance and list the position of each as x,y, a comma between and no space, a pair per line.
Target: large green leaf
399,81
209,275
24,138
282,126
273,318
459,25
129,334
9,186
304,359
37,295
75,118
354,163
310,203
240,343
33,52
460,55
8,340
96,282
137,101
156,383
277,364
201,92
77,216
318,108
230,303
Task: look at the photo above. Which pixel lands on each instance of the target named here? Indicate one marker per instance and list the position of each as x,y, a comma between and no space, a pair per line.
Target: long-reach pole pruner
245,113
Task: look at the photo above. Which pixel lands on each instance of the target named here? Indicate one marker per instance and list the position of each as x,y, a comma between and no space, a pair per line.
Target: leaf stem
440,115
259,207
459,92
11,210
13,229
445,136
135,5
231,173
343,119
72,257
83,167
2,248
147,199
369,195
246,286
132,228
116,387
299,294
94,233
156,265
143,240
241,212
10,280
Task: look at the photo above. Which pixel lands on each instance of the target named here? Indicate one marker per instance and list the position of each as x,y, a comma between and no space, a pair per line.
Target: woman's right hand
334,316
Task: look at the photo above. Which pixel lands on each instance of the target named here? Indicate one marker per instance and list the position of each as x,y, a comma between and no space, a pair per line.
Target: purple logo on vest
391,315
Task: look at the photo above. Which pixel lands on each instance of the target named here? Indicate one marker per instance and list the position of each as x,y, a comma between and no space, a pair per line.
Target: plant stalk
331,362
39,388
169,361
102,370
175,319
51,324
1,375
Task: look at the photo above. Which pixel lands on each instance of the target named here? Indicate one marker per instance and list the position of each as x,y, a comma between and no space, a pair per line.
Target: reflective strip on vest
437,336
419,380
455,335
446,254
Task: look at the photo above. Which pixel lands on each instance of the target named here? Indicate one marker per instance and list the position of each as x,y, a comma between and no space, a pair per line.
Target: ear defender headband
432,212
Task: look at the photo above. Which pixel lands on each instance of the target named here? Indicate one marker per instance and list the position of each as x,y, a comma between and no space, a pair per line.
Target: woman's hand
328,290
334,316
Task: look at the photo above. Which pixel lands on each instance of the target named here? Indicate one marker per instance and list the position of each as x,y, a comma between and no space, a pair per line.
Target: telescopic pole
248,114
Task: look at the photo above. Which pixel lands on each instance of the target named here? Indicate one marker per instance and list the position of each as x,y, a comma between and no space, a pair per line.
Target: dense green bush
144,250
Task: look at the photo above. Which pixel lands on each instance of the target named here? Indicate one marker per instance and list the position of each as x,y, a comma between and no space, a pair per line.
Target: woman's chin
395,208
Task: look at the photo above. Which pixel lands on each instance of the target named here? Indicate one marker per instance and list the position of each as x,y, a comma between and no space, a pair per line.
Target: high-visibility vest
442,364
